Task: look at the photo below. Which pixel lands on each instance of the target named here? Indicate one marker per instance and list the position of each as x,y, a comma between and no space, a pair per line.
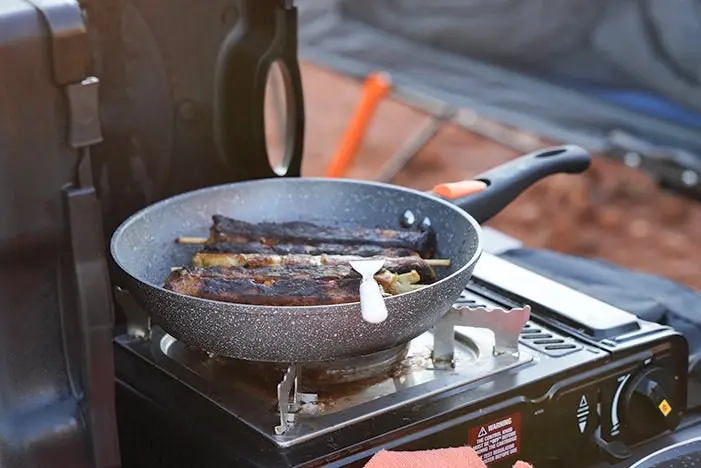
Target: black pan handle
265,33
294,98
506,182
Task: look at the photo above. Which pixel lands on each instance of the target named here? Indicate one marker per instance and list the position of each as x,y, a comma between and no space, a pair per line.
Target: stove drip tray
292,403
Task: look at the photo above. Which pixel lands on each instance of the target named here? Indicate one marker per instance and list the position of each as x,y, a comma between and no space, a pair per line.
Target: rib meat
366,250
396,265
236,231
391,283
284,292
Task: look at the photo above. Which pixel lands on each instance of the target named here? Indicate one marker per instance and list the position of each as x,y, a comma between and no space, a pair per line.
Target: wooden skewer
437,262
192,240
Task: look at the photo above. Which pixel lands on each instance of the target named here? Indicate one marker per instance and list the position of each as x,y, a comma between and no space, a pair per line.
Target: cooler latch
70,54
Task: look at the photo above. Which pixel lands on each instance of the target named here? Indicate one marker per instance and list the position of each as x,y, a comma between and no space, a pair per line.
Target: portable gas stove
520,368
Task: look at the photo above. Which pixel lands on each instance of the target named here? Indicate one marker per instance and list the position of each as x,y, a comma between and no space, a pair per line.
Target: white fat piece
372,304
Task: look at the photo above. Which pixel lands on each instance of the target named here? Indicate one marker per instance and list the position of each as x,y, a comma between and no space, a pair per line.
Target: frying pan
144,248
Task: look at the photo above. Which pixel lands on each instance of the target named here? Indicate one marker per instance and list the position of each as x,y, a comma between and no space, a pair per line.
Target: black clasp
265,34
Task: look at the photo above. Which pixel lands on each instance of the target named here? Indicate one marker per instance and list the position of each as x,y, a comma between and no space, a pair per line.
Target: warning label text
498,439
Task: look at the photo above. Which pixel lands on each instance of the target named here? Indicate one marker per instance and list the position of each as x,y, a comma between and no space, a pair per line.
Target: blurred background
418,93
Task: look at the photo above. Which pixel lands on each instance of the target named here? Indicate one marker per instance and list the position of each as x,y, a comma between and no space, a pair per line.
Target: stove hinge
71,60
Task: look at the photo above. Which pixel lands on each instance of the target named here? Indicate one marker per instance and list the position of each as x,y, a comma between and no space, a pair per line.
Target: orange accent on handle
460,189
375,88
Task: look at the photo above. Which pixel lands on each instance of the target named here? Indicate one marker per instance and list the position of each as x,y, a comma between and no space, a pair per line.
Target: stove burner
321,389
352,370
327,377
320,376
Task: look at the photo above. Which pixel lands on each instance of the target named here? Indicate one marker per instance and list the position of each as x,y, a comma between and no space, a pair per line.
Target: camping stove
520,368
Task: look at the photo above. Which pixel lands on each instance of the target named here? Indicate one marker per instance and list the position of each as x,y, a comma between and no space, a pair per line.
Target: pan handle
285,52
490,192
265,34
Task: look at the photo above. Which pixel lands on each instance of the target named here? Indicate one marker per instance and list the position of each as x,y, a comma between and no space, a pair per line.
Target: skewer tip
440,262
191,240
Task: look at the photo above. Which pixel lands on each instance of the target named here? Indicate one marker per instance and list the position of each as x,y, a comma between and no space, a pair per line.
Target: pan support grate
505,324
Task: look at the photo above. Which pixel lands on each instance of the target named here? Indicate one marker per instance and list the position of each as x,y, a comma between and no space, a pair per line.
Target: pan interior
144,245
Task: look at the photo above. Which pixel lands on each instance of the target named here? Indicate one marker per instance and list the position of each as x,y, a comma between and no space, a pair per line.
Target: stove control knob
649,403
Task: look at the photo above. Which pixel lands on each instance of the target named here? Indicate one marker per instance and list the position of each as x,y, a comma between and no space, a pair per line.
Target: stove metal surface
419,376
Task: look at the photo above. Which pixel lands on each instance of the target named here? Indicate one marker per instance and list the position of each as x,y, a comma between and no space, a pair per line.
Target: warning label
496,440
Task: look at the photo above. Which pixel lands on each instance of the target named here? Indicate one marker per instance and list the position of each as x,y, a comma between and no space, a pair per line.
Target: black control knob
649,403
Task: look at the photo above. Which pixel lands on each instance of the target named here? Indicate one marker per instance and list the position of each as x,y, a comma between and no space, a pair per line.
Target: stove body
587,381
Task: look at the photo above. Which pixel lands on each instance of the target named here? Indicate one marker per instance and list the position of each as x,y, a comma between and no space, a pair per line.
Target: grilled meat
282,286
392,283
366,250
236,231
396,265
300,263
288,292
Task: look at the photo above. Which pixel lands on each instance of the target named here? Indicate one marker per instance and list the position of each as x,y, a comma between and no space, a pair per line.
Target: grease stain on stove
325,387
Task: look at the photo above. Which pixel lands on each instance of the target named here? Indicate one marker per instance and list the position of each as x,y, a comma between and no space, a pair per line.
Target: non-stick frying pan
144,248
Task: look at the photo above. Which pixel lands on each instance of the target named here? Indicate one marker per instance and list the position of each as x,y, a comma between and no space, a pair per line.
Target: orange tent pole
375,89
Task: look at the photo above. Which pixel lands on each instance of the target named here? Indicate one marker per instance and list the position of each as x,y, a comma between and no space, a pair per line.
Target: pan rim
267,309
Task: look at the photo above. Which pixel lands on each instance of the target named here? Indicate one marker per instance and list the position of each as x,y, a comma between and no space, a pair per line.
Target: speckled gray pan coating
144,247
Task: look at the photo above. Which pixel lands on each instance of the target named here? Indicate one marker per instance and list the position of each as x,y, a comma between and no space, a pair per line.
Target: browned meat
395,265
367,250
236,231
284,292
324,272
392,283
